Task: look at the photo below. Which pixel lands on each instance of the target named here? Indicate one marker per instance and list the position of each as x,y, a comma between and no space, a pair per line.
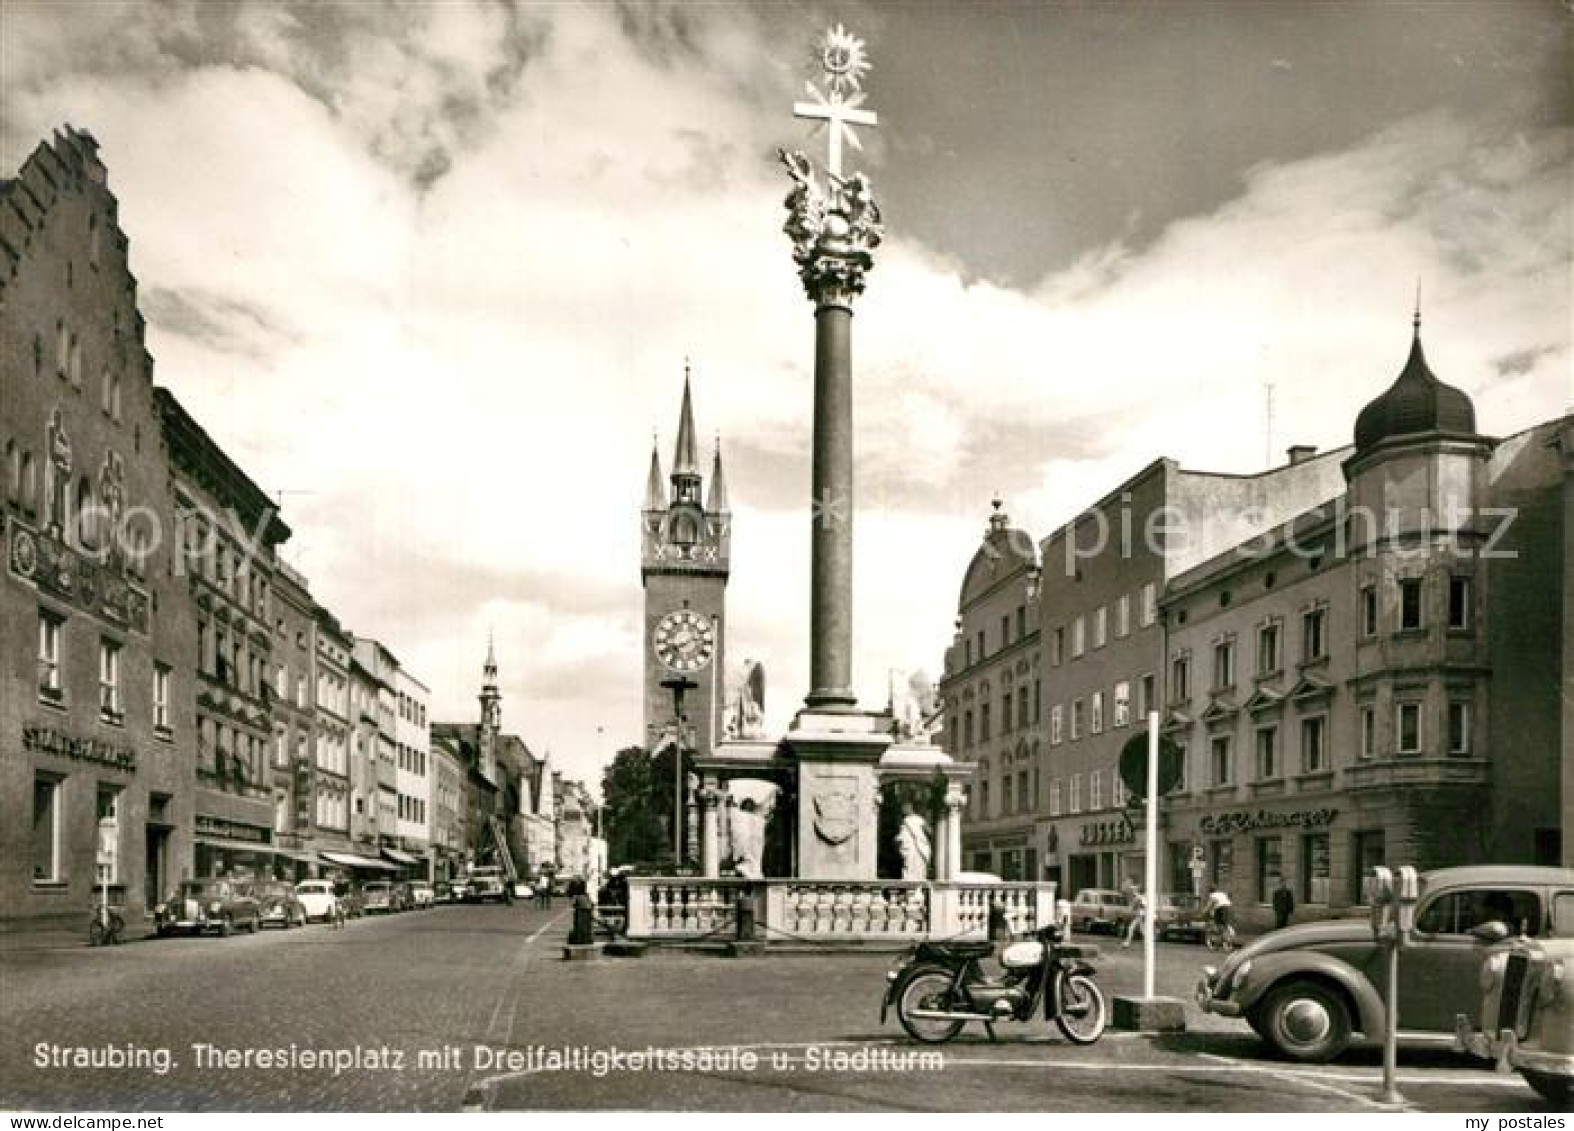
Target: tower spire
1416,321
717,501
685,465
655,490
491,698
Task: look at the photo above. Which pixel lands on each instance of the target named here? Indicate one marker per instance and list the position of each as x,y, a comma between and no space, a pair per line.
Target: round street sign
1134,764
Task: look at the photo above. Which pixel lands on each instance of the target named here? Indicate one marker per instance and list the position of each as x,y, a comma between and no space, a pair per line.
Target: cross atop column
844,62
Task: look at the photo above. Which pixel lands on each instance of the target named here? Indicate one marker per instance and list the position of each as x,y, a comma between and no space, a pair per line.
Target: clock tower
685,542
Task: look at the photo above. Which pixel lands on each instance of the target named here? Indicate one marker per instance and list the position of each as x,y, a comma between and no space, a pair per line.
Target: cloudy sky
431,271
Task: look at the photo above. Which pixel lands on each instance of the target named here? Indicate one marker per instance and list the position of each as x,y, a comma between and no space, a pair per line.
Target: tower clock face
684,641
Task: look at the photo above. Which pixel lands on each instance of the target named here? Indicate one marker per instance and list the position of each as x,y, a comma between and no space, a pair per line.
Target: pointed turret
655,489
685,464
491,698
716,502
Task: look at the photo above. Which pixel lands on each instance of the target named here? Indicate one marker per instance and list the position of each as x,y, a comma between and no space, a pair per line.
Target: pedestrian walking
1139,906
1283,905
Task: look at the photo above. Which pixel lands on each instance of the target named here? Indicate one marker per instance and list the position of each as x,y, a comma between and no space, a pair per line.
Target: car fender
1271,970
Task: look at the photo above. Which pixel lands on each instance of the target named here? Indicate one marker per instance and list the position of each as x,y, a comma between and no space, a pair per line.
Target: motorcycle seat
1075,951
963,948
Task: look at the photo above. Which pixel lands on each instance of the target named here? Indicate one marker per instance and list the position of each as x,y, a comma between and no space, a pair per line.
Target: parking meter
1407,892
1380,896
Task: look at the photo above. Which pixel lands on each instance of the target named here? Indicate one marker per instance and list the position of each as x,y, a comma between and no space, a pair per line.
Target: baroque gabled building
98,729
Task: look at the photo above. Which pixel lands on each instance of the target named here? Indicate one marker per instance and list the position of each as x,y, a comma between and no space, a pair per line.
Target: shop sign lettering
1226,823
47,740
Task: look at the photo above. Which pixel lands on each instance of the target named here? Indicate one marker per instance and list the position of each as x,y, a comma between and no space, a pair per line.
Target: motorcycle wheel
927,989
1079,1009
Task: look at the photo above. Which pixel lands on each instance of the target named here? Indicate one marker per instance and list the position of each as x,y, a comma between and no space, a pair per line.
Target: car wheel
1556,1090
1304,1020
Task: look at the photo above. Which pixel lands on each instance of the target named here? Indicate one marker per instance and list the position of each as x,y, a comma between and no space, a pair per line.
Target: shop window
1270,866
47,797
1370,850
1315,868
1221,863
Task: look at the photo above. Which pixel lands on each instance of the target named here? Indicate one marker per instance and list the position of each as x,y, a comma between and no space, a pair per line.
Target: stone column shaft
710,863
831,571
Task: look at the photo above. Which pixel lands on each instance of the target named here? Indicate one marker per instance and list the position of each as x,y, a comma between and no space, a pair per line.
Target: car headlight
1553,985
1492,970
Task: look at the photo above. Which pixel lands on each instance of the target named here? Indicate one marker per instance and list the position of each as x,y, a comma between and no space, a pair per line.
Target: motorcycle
939,987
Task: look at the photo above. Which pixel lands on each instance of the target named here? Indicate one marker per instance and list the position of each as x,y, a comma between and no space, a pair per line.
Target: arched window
684,529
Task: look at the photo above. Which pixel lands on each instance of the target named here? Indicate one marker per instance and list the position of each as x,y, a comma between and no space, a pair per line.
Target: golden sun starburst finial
843,58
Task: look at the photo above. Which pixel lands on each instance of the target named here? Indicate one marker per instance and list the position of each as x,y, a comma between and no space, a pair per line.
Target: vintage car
1527,1008
217,905
1310,989
486,883
317,897
1179,915
1101,909
422,895
279,905
378,896
459,890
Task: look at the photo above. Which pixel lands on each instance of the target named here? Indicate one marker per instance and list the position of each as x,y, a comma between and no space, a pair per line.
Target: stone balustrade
794,910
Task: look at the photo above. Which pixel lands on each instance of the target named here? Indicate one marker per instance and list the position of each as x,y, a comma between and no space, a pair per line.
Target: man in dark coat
1283,905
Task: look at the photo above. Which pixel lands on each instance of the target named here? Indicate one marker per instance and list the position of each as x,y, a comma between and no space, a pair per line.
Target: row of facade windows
47,853
412,809
111,691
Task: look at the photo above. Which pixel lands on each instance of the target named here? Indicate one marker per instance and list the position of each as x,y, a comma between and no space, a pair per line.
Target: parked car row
222,906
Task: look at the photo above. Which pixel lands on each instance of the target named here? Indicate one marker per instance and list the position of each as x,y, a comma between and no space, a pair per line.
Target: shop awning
235,845
401,857
351,860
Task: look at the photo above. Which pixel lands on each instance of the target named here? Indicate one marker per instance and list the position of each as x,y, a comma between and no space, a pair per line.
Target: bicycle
1220,936
106,926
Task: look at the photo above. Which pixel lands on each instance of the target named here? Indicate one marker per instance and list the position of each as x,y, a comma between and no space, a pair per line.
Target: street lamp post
678,685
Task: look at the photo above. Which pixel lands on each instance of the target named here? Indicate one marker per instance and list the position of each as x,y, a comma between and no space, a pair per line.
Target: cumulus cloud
432,272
